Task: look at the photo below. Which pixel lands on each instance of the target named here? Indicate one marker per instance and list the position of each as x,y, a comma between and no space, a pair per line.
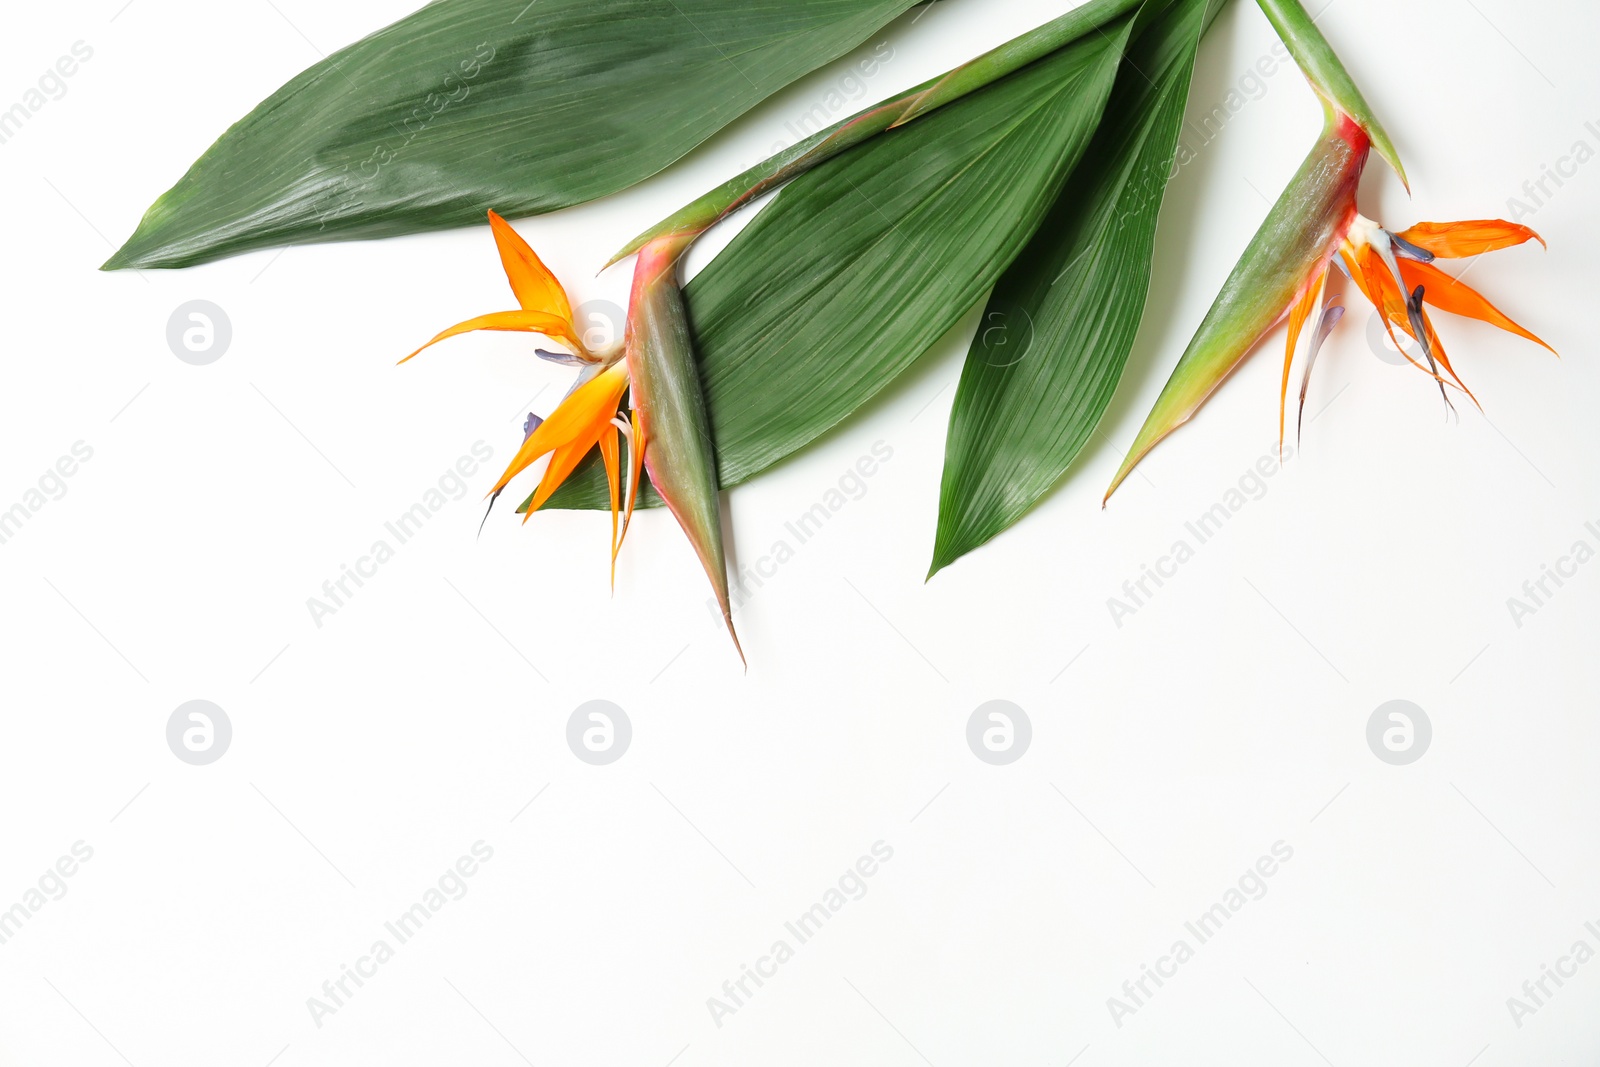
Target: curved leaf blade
869,122
467,105
1071,303
860,265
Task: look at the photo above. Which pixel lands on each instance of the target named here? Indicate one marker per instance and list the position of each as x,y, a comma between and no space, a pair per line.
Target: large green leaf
860,265
468,105
937,92
1059,326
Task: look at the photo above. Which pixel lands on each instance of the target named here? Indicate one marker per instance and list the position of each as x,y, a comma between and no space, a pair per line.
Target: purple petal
1420,331
566,359
1330,318
1411,251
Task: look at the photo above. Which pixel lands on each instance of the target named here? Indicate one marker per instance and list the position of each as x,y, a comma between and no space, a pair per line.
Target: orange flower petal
636,447
608,455
1297,320
579,419
563,461
1453,240
535,287
1449,294
553,327
1436,349
1353,270
1381,290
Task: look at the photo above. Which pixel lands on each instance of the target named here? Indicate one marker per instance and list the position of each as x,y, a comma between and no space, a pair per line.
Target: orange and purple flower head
664,424
1313,231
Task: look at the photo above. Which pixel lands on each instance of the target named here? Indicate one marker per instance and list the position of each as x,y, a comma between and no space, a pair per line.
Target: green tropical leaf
468,105
859,266
868,123
1059,326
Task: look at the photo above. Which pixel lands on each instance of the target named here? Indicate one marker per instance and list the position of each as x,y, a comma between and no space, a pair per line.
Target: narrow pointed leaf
1056,333
859,266
467,105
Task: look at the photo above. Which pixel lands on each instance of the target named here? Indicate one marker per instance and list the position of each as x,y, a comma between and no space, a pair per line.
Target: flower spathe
665,424
1312,230
1286,260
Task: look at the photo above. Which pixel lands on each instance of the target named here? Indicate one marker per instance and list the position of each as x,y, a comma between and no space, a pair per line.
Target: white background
1168,754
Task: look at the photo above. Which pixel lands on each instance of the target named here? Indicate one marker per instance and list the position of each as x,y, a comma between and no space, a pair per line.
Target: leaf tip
947,548
121,259
1121,476
1393,159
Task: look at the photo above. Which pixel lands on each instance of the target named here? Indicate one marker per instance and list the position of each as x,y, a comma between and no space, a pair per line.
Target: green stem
1327,75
